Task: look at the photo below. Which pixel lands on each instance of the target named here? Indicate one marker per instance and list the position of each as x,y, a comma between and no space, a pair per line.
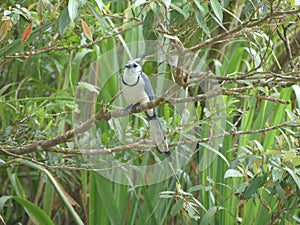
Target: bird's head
133,67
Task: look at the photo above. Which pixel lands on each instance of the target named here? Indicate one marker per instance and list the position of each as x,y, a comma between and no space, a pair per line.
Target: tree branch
242,29
50,47
144,144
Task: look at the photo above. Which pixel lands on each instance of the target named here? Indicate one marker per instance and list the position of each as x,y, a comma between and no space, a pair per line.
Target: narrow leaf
294,176
105,192
26,33
63,21
207,218
148,26
57,187
167,3
185,14
31,208
139,2
86,30
177,207
88,86
72,9
202,23
216,152
253,187
297,93
100,4
217,8
232,173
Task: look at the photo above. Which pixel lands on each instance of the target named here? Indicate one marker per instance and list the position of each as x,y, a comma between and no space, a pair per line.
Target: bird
137,89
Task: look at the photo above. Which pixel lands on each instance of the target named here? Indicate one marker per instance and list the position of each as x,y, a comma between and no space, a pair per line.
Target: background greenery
252,49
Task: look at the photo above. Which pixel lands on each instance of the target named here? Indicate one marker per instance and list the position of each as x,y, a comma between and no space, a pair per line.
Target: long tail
158,135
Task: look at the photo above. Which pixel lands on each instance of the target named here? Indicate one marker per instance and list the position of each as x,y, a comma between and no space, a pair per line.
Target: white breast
135,94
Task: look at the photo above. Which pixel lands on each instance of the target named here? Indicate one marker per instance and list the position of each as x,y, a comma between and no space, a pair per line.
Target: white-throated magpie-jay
137,89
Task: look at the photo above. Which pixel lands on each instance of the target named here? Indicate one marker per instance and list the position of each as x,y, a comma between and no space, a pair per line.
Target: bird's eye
135,65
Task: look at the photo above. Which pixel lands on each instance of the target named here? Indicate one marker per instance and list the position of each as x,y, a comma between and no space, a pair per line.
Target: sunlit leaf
167,3
232,173
88,86
217,9
137,3
100,4
277,174
73,9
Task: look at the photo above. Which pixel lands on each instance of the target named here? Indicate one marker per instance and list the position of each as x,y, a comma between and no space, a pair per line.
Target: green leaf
294,176
167,3
216,152
217,9
263,89
297,93
255,184
148,26
97,212
207,218
32,209
280,192
63,21
139,2
105,191
202,23
200,187
240,188
17,185
192,212
179,10
276,174
73,9
75,66
177,207
48,198
58,189
100,4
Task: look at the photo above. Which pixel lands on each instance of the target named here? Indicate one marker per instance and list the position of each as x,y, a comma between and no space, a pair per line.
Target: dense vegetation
232,122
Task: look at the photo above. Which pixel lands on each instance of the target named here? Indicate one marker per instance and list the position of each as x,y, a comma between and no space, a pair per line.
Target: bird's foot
132,107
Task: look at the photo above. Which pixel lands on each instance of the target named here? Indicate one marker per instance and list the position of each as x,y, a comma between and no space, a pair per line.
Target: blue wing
148,86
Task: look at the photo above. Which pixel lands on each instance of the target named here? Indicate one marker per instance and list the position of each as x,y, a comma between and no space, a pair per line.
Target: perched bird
137,89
